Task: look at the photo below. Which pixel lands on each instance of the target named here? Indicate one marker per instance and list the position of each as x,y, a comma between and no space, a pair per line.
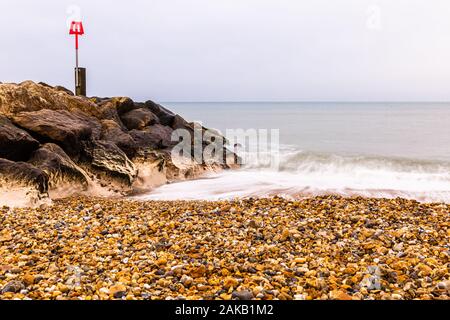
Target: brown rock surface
87,139
69,129
138,119
15,143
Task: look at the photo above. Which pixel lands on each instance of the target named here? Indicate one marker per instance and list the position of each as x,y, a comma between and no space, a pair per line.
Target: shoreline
325,247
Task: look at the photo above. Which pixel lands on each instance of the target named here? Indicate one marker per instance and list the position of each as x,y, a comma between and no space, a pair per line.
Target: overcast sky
235,50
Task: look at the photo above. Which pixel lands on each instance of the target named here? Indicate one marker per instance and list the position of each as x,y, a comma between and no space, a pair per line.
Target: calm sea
368,149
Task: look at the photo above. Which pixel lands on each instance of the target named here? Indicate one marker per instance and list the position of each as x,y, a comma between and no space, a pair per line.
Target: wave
301,174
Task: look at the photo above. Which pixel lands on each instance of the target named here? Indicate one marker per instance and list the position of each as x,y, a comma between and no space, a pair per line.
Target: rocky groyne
54,144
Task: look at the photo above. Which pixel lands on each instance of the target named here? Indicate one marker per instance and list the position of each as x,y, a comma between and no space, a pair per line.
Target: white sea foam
342,132
305,174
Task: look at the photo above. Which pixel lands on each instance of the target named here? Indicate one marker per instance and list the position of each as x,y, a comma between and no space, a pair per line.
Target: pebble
118,291
325,247
242,295
13,286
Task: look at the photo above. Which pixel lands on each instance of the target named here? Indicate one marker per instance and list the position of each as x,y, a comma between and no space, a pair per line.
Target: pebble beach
317,248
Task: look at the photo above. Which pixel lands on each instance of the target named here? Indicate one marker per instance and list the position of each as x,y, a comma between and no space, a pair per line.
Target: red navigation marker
76,28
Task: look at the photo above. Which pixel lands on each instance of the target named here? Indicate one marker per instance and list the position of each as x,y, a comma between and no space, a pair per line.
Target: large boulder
138,119
22,173
68,129
108,157
180,123
111,131
30,96
153,137
59,167
164,115
15,144
120,104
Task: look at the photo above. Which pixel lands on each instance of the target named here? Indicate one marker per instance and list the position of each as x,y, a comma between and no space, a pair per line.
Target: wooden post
80,81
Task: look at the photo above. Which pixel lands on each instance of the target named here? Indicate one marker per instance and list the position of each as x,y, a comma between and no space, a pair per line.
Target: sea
387,150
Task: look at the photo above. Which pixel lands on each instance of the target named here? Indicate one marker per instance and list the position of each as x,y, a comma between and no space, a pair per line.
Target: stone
165,116
242,295
122,104
186,280
372,282
340,295
58,165
107,157
118,291
444,285
63,89
138,119
13,286
112,132
161,262
29,96
230,283
15,144
153,137
28,279
23,174
67,129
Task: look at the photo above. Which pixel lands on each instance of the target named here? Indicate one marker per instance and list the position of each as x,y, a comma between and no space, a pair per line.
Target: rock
161,262
29,96
186,280
198,271
122,104
372,282
138,119
67,129
107,157
181,123
340,295
118,291
444,285
59,167
242,295
107,110
165,116
153,137
285,235
111,131
23,174
230,283
15,144
13,286
28,279
65,138
284,296
63,89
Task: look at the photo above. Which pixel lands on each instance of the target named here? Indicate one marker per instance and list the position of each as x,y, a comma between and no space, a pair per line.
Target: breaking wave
301,174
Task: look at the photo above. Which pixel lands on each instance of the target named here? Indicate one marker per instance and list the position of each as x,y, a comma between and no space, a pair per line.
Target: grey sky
208,50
